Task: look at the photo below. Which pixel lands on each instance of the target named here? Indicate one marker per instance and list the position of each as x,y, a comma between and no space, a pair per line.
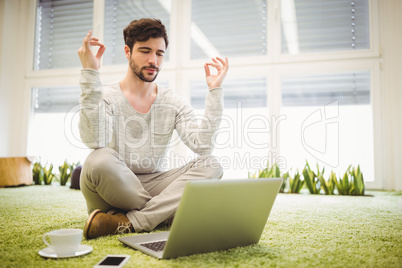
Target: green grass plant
270,172
295,183
66,170
285,178
37,173
48,174
352,182
311,180
344,185
357,181
328,185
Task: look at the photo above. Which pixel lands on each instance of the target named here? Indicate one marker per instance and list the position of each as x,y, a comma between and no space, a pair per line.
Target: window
311,26
245,92
230,28
54,135
118,14
293,63
242,142
320,90
60,28
330,118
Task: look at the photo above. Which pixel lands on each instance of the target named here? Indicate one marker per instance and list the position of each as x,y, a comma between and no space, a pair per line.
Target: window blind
235,28
249,92
319,90
55,99
61,99
119,13
324,25
60,28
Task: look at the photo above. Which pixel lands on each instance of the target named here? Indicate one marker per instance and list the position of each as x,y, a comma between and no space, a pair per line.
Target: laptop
213,215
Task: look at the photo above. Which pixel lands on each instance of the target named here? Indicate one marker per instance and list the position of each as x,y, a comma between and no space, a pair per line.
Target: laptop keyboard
155,246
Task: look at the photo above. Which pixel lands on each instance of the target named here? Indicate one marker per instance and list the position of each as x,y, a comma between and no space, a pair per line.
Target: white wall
15,19
4,94
14,16
391,93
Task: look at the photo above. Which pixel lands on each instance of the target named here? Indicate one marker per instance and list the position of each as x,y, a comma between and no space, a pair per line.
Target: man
129,124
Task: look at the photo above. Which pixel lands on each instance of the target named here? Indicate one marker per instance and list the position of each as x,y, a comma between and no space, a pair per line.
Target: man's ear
127,51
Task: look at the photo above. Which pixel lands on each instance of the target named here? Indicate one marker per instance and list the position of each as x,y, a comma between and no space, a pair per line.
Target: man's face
146,58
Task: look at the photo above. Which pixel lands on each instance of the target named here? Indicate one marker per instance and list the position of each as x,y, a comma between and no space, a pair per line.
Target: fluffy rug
302,231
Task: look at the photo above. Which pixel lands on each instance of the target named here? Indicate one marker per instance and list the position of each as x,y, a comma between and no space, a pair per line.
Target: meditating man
130,123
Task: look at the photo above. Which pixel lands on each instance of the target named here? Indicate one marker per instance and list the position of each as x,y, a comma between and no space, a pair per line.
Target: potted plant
37,173
357,181
329,185
295,183
48,175
270,172
311,180
66,171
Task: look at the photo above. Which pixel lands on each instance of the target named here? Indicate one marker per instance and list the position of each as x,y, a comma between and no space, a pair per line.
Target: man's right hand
88,59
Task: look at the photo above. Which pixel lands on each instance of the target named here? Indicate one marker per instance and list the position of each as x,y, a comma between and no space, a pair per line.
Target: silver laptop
213,215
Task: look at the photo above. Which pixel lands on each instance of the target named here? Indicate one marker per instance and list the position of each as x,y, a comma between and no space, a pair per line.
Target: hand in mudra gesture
87,57
222,66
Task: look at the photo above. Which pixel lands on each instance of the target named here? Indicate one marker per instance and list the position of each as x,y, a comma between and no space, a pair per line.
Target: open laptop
213,215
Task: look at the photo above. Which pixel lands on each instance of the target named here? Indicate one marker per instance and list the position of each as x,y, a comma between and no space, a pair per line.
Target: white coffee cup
64,242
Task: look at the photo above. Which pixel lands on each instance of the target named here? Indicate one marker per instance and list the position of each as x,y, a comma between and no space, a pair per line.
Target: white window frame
180,69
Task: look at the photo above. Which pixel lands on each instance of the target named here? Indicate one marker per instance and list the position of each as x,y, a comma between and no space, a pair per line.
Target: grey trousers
149,199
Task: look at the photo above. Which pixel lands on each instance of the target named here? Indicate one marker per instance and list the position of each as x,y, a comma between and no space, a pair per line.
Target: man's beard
139,71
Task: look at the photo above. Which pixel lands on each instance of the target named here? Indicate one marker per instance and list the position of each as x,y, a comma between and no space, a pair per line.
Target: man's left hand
222,66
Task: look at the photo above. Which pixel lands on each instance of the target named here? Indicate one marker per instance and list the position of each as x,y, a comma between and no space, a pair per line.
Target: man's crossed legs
144,200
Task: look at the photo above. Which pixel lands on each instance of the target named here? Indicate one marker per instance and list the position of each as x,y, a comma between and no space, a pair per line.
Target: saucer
49,252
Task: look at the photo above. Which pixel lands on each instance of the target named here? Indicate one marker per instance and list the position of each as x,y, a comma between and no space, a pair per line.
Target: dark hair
143,29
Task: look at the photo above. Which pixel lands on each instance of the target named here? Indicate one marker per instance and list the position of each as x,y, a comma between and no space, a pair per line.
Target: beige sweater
142,139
